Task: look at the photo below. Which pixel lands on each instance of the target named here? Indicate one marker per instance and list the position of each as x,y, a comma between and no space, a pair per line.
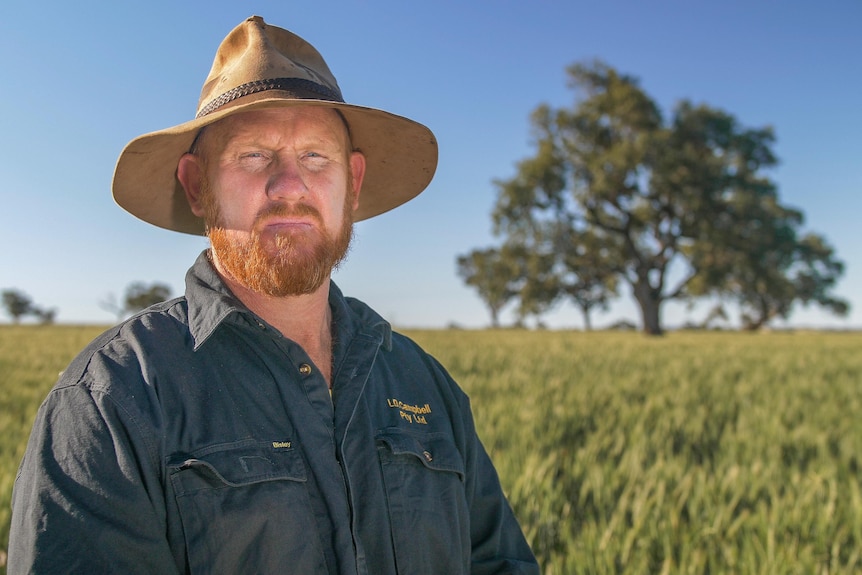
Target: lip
286,219
281,226
287,222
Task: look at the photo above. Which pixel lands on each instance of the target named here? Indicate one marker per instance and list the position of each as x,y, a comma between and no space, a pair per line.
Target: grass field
692,453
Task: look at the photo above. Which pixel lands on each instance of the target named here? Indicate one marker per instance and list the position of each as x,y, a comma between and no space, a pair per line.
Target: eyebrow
195,146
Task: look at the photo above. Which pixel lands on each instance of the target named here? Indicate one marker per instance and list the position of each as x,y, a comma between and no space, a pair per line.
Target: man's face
278,188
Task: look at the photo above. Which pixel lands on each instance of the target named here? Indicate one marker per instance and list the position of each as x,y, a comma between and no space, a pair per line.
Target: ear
357,170
190,175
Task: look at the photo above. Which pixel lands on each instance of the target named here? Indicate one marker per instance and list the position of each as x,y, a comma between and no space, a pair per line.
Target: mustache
285,210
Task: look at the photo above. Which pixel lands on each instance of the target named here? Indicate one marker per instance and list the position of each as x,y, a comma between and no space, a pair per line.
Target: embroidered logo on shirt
411,413
281,445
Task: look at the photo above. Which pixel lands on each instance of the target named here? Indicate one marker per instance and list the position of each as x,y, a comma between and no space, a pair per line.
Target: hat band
286,84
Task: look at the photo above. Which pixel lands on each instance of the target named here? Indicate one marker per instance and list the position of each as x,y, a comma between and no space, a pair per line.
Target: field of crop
692,453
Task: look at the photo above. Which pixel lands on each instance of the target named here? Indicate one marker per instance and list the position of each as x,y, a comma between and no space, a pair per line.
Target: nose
286,181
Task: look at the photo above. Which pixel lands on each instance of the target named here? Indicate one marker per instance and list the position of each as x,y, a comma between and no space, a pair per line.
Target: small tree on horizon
17,304
139,296
491,273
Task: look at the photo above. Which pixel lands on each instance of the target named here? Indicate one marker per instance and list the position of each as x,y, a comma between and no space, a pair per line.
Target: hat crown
253,53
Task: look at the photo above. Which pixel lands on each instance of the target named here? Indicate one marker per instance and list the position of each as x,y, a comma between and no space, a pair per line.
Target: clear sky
81,79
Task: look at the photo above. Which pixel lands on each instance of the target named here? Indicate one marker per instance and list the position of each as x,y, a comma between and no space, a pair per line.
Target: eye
253,159
314,160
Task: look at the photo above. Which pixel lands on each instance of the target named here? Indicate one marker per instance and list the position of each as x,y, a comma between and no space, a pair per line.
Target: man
263,423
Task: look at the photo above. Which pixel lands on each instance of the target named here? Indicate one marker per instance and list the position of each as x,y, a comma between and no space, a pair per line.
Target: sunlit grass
31,357
691,453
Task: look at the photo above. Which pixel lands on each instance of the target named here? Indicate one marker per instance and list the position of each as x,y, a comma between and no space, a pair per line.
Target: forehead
279,124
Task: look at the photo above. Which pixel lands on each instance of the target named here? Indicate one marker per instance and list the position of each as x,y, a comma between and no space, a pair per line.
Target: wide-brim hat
261,66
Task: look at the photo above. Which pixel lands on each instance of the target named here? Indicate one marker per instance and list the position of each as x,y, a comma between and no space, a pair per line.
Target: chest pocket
424,482
244,507
235,465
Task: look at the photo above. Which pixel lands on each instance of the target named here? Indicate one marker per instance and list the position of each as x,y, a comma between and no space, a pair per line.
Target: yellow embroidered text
411,413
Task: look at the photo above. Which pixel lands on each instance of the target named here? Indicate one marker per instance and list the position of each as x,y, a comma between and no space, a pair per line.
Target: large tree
682,207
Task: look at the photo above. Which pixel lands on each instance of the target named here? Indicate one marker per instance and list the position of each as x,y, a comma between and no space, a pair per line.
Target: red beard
284,264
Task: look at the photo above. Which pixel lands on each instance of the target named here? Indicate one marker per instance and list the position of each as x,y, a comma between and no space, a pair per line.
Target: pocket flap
237,464
434,450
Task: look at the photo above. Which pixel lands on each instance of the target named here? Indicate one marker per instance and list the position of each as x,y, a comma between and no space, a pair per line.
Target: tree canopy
676,208
17,304
139,296
489,272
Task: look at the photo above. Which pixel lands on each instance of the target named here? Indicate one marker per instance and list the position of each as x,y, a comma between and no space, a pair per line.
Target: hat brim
401,158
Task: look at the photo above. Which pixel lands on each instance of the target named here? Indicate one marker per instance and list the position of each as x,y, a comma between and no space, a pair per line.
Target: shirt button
305,369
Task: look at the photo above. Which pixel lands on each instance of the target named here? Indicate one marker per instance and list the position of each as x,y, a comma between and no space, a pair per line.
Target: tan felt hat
262,66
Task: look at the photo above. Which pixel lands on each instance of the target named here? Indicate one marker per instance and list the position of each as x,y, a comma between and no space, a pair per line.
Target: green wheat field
698,452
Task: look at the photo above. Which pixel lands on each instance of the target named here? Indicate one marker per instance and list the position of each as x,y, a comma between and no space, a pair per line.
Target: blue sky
81,79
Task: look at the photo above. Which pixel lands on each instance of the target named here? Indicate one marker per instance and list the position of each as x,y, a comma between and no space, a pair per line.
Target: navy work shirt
195,438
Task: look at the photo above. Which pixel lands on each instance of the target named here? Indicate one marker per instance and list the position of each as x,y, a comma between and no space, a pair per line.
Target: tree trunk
650,304
588,324
752,322
495,318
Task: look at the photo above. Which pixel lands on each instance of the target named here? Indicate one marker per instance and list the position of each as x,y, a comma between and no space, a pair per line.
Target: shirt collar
352,317
211,303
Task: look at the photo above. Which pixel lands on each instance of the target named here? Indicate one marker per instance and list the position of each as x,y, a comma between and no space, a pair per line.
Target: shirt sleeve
498,545
88,497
